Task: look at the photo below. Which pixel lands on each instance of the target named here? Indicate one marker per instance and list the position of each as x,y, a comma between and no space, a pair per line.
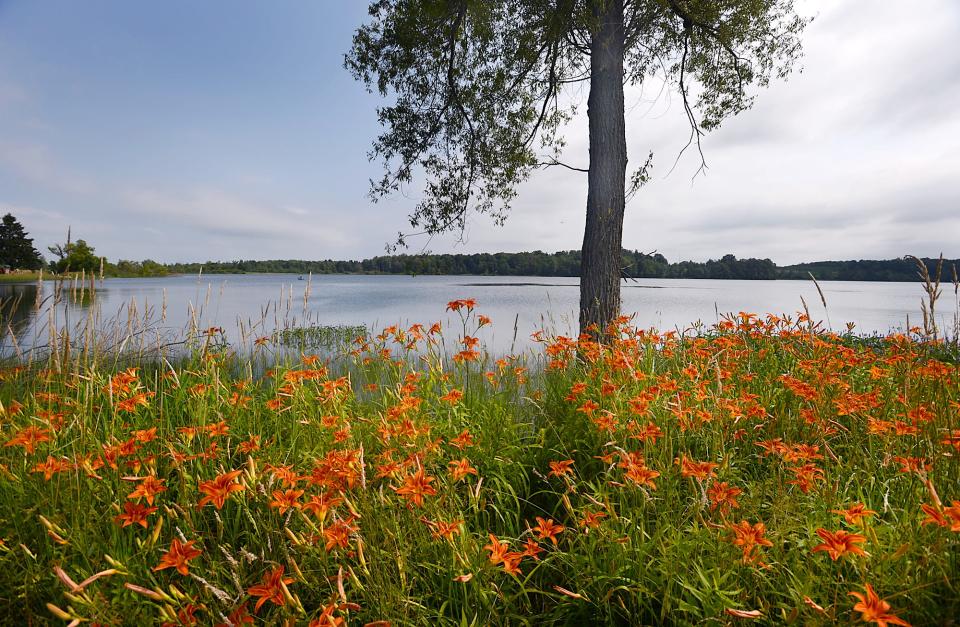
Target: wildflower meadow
762,471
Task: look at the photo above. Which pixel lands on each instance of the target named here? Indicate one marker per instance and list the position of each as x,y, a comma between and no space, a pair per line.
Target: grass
659,479
19,277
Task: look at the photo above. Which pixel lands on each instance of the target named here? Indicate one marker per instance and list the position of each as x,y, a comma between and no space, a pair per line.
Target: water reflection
18,306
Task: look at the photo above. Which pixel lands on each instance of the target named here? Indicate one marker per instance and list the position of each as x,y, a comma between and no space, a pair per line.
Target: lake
248,306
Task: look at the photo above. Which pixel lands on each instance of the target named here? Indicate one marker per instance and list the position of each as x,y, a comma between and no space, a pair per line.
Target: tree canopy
474,107
16,249
75,256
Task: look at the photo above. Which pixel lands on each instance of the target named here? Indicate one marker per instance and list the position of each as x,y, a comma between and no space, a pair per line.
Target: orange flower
873,609
724,496
29,437
463,440
546,528
497,549
286,499
178,555
695,469
511,563
134,514
855,513
416,486
591,520
748,537
461,468
338,534
250,445
219,489
52,466
559,469
453,396
271,588
839,543
637,471
446,529
148,488
532,549
464,303
320,504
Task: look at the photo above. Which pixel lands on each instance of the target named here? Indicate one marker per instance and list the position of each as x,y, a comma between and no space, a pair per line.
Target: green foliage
758,399
16,249
635,264
473,86
125,268
75,257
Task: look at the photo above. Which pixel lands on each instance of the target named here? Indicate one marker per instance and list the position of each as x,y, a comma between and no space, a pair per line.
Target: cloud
37,164
216,213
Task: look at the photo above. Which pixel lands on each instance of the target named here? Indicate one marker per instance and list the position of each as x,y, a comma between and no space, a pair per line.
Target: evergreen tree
16,249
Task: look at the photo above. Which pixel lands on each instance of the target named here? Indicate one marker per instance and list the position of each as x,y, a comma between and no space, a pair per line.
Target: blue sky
221,130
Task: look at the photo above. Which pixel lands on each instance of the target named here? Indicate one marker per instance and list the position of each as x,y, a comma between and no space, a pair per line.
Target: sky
228,129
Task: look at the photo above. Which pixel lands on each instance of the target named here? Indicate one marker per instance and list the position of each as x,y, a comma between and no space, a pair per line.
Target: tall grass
657,479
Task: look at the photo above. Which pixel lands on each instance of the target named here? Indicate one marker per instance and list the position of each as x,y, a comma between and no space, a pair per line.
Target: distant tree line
18,253
635,264
868,270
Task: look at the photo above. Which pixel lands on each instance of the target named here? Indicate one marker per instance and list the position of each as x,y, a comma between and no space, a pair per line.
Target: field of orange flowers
760,472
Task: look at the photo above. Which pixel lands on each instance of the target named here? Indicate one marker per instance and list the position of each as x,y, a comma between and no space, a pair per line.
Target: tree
16,249
475,109
74,257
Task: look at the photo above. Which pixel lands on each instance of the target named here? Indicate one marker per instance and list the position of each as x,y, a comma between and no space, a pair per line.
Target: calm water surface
255,305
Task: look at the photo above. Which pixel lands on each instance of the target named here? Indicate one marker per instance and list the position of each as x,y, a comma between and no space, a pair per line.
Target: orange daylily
840,543
873,609
416,486
547,528
217,490
748,537
134,514
695,469
497,549
178,556
855,513
561,468
461,468
148,488
271,588
284,500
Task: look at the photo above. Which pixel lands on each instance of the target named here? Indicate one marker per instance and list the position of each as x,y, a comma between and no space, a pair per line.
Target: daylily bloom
873,609
855,513
561,468
416,486
178,556
461,468
446,529
840,543
271,588
148,488
338,534
284,500
497,549
723,496
695,469
134,514
547,528
219,489
748,537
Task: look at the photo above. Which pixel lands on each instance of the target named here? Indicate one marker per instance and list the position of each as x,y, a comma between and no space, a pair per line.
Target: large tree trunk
603,235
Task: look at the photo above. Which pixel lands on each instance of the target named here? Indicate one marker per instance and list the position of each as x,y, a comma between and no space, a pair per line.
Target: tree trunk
603,235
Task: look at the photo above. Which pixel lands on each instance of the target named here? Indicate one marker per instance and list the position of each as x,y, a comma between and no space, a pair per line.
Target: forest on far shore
635,264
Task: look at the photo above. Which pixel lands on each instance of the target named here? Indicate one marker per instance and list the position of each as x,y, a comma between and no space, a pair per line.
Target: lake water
247,306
